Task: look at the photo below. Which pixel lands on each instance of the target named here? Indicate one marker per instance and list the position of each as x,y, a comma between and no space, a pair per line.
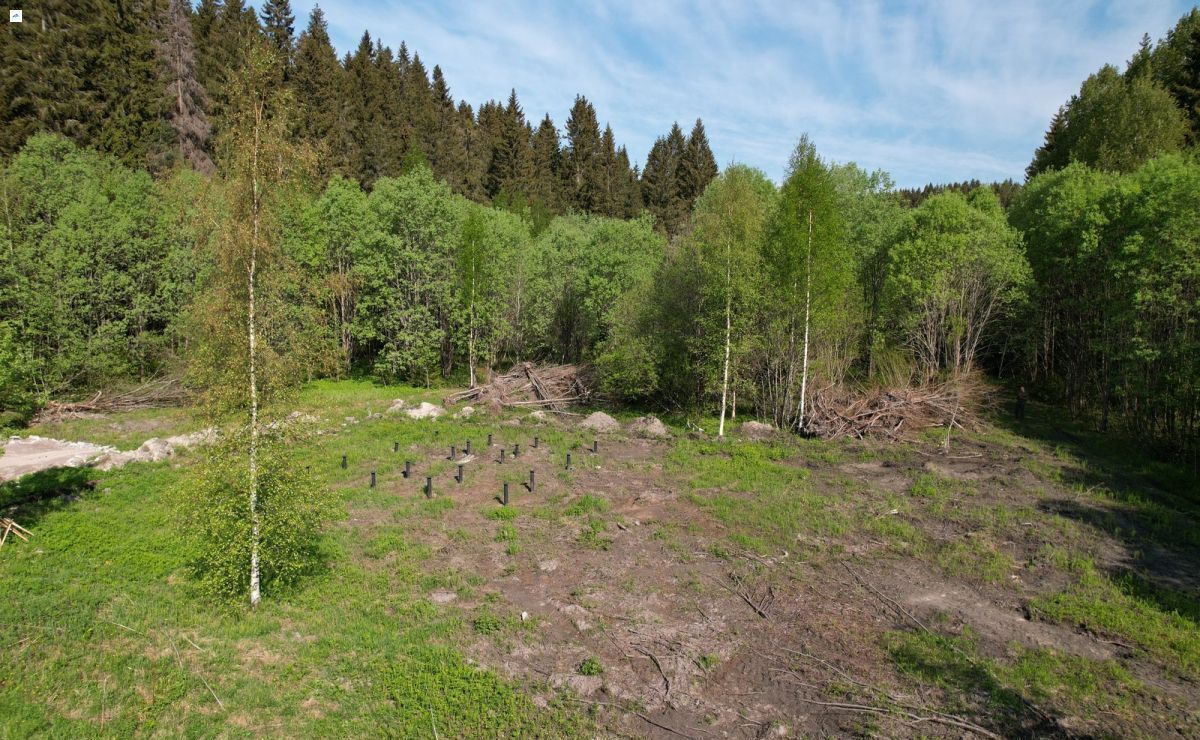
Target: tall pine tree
317,83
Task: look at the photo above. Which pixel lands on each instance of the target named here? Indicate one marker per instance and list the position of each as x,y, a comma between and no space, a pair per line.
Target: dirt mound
600,422
757,430
154,449
426,410
23,455
649,426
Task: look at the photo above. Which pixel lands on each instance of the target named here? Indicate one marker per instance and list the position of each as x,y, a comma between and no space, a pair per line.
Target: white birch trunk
255,593
807,316
728,339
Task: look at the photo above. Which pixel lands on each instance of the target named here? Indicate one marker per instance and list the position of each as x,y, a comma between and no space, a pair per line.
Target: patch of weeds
590,667
747,542
938,491
739,466
717,550
899,533
591,535
707,661
383,544
512,549
502,513
975,558
506,532
1147,617
587,504
1064,559
487,623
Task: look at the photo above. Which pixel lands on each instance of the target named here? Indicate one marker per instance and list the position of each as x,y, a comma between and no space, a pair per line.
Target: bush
293,509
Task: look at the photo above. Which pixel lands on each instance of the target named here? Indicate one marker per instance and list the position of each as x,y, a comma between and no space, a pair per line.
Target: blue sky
929,91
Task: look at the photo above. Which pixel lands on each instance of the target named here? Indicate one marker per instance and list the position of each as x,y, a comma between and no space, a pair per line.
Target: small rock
548,566
465,412
425,411
757,430
649,426
600,422
539,416
397,406
524,616
442,597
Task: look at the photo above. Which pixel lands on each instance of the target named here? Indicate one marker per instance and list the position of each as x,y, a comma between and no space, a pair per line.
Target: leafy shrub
292,509
590,667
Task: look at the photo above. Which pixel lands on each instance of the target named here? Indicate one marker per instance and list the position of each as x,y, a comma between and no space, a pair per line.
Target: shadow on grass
941,660
1148,504
30,497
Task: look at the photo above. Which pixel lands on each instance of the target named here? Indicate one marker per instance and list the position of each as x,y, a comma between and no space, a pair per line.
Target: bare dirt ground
689,636
32,454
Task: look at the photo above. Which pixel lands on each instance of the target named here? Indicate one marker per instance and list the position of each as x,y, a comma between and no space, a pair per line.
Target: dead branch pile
553,387
892,413
152,394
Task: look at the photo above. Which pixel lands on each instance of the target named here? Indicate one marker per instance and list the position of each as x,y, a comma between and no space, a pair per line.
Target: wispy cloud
930,91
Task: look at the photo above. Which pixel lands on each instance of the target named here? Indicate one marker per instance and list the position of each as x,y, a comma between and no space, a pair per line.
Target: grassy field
1036,580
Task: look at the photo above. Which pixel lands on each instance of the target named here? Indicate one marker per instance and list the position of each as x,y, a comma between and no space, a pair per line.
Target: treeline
106,271
149,82
1086,289
1110,224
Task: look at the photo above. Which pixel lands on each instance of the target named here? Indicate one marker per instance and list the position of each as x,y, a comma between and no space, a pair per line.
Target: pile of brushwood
893,413
151,394
526,385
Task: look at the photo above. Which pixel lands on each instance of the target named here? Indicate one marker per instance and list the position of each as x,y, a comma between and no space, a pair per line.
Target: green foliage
590,667
811,334
1116,267
97,267
1116,123
17,368
215,517
955,272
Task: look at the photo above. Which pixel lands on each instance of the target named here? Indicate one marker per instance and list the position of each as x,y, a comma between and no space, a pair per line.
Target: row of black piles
460,476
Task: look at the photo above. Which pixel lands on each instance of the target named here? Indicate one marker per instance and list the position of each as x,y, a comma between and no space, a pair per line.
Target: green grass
975,559
1055,682
759,491
1164,623
102,633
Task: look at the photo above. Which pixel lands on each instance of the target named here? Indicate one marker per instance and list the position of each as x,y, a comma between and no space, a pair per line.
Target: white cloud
928,91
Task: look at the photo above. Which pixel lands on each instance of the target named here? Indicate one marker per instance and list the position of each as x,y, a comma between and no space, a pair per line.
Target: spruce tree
509,169
581,157
278,24
187,98
545,164
417,107
698,166
450,148
361,136
661,187
317,82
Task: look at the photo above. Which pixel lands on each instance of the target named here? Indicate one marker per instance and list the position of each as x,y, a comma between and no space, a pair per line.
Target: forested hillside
425,241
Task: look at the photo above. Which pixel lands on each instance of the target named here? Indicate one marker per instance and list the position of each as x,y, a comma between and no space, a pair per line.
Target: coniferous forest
204,196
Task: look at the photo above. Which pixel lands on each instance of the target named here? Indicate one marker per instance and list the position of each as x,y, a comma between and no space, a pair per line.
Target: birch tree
256,514
729,228
812,290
